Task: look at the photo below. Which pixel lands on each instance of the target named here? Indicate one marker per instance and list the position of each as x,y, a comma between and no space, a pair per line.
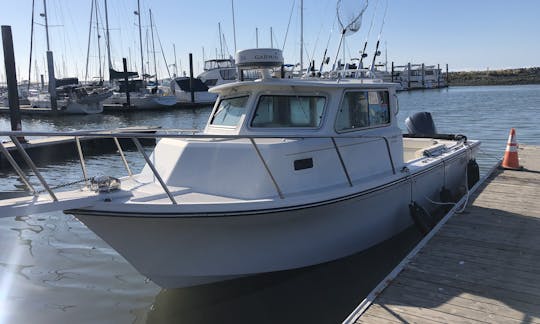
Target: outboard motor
421,124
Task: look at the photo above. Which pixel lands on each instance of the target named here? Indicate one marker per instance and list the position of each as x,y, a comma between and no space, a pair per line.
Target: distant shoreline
495,77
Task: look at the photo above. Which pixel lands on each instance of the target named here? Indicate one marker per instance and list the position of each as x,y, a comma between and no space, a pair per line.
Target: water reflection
324,293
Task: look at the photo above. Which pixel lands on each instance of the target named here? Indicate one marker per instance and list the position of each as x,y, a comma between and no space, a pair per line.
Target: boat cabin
281,137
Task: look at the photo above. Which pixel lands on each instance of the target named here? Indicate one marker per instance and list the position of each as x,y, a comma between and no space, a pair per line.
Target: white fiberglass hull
145,101
69,107
179,250
200,97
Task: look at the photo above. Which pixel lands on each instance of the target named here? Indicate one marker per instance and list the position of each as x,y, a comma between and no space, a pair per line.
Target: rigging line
288,25
162,52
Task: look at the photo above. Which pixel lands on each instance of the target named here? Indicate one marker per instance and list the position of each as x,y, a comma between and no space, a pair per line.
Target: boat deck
481,266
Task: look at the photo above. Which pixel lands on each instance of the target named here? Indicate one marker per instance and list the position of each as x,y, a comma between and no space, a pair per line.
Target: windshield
289,111
230,111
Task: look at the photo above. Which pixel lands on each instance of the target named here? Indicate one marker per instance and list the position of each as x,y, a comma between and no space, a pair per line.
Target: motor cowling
421,123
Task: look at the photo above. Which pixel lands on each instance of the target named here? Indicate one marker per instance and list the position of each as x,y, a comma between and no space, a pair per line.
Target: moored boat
287,173
73,99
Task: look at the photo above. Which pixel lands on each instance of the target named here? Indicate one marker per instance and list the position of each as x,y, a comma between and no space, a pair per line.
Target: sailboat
142,95
70,96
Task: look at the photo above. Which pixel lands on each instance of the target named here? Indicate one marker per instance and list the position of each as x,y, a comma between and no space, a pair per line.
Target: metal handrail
115,135
81,159
342,162
18,169
32,166
119,147
280,193
154,170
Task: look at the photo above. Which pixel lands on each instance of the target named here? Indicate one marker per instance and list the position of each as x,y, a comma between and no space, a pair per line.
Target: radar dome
259,58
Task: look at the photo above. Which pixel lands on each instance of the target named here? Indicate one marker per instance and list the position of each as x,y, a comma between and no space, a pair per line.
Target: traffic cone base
511,160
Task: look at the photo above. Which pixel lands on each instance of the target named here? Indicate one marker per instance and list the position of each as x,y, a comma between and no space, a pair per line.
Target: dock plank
483,265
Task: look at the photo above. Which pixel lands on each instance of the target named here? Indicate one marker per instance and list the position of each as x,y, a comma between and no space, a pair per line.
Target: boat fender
473,173
446,197
422,219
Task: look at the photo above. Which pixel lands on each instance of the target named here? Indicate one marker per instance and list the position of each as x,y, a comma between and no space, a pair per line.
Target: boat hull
143,101
184,250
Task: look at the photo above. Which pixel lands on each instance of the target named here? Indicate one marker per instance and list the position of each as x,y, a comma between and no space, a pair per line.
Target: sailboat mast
234,25
31,43
153,47
46,24
175,65
98,44
220,42
140,36
89,38
108,36
301,36
50,64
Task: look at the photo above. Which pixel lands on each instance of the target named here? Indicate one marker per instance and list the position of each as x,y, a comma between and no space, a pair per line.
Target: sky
465,34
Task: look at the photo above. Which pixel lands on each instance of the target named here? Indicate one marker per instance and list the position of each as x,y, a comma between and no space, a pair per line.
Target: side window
361,109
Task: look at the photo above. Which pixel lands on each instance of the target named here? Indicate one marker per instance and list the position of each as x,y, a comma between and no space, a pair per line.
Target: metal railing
164,133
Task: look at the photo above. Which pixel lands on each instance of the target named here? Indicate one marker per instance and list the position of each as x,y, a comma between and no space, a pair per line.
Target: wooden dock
482,265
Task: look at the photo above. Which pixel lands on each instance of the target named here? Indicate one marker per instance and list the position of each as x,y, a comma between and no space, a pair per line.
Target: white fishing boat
218,71
288,173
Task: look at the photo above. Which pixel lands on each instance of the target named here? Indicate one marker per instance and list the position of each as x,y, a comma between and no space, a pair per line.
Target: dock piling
191,78
126,80
11,76
52,81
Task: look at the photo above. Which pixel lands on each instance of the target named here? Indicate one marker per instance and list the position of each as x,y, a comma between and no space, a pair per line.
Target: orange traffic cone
511,160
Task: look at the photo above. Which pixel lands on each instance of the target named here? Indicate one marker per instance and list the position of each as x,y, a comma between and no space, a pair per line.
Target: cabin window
228,74
360,109
210,82
289,111
230,111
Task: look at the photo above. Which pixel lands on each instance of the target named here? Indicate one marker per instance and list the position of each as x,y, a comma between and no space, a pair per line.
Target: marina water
54,270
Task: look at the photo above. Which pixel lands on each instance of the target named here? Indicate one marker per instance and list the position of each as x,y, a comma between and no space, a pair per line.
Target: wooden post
423,75
126,80
191,78
52,81
447,76
438,76
11,78
408,75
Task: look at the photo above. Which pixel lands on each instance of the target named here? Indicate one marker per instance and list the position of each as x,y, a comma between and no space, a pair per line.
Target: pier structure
419,76
481,265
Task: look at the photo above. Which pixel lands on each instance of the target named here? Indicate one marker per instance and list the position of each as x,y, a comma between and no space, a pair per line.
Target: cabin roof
275,83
